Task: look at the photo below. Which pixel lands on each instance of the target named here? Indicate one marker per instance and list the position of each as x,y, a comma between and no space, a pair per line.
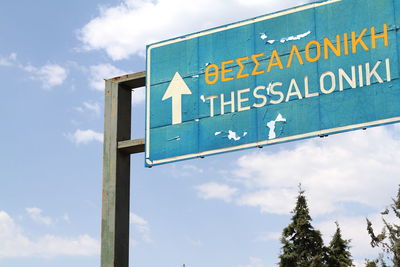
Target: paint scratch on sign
195,76
231,135
271,125
269,88
295,37
203,98
263,36
176,138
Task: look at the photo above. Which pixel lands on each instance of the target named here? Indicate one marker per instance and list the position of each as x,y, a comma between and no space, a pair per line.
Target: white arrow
175,90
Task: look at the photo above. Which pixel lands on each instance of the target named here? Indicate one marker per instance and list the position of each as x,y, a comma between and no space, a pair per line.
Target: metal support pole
116,168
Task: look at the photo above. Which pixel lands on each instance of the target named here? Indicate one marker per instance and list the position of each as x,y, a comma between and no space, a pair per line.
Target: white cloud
85,136
90,106
50,74
340,169
125,29
14,243
100,72
36,215
278,201
8,60
141,226
216,191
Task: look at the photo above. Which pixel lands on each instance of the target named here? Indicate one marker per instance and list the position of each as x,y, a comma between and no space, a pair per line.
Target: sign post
116,168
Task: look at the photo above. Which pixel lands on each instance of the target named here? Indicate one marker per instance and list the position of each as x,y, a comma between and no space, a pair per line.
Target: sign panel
314,70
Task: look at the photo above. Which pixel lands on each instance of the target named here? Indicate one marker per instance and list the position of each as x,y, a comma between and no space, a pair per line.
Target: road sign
314,70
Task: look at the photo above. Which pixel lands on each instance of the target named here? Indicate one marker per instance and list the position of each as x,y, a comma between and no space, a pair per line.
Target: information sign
313,70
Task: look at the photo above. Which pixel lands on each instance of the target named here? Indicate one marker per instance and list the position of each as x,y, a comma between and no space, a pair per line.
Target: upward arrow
175,90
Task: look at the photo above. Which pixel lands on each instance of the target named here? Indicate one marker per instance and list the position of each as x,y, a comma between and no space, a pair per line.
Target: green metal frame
118,147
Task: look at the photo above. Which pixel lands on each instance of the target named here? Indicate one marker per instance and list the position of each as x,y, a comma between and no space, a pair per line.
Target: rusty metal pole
116,168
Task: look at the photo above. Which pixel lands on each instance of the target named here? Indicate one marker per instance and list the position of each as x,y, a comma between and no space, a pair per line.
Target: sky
225,210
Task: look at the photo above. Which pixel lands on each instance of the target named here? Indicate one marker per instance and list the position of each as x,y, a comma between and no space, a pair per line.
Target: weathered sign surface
313,70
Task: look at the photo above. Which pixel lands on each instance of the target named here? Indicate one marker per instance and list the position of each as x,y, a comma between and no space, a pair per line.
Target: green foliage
377,262
302,244
389,238
373,263
339,251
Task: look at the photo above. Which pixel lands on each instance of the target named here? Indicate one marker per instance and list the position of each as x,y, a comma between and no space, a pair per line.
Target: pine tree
302,244
339,251
389,238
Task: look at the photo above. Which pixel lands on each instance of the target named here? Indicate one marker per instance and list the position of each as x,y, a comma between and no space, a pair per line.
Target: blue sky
225,210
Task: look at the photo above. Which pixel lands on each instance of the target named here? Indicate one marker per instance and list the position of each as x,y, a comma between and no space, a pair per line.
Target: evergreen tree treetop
339,250
302,244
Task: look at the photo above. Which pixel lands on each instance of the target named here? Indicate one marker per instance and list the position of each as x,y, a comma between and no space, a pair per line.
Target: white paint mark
176,138
233,135
196,119
269,88
280,118
195,76
203,98
295,37
263,36
208,63
271,126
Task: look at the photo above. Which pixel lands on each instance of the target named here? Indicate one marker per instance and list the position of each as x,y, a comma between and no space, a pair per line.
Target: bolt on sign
317,69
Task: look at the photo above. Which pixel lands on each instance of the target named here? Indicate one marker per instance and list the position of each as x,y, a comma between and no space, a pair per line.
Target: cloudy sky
225,210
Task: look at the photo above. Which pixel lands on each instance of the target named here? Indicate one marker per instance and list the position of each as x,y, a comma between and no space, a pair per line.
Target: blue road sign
314,70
